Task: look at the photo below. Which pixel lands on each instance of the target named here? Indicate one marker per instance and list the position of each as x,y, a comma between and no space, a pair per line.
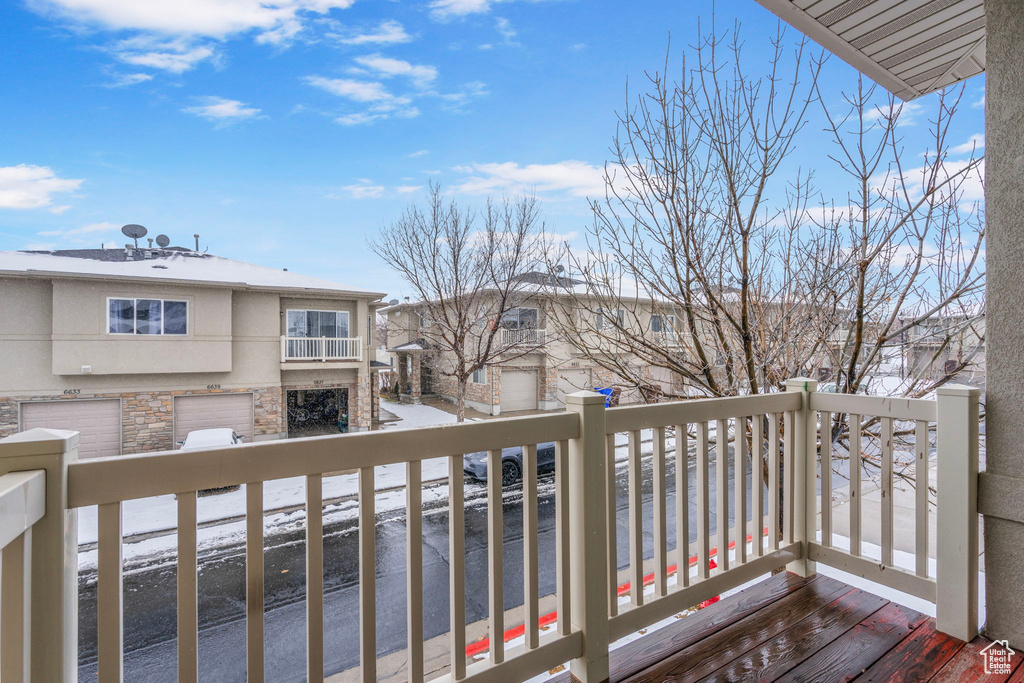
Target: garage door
213,411
518,390
98,423
571,380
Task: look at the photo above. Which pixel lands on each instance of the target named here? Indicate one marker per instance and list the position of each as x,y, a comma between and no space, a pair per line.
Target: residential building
539,364
947,344
134,348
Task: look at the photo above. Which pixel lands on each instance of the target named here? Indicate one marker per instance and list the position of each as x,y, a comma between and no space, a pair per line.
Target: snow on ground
147,517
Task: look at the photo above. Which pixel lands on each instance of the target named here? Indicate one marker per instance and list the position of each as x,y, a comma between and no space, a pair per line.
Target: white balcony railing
321,348
783,430
526,336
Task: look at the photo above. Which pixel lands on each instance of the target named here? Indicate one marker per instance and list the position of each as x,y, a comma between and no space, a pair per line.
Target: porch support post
956,608
54,550
589,582
804,461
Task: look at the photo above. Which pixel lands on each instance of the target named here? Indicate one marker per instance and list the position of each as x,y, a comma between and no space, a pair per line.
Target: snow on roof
166,264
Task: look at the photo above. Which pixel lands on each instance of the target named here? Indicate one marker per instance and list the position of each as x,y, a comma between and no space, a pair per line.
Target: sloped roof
909,47
174,264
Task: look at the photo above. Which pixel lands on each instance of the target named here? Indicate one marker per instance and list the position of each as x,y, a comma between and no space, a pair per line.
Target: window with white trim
480,376
147,316
606,315
331,324
663,324
520,318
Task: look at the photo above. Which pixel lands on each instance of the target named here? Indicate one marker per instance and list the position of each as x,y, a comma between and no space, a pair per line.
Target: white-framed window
147,316
306,323
606,315
425,321
520,318
480,376
663,324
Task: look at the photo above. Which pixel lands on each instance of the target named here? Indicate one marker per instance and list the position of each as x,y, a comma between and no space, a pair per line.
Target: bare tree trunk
460,399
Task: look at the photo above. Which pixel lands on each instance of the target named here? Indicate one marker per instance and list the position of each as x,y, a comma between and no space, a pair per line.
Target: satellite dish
558,269
162,240
135,232
393,302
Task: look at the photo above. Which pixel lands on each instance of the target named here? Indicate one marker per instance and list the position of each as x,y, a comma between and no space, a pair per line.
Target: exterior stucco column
1004,199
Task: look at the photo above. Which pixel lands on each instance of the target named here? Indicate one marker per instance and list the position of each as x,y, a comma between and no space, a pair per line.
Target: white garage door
571,380
98,423
518,390
213,411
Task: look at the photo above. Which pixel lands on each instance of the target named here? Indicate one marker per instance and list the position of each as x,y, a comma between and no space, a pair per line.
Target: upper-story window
333,324
147,316
606,316
520,319
663,324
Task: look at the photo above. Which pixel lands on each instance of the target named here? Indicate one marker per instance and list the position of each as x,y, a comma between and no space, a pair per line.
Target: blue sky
285,132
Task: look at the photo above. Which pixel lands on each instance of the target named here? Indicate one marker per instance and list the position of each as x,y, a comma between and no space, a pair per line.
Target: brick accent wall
147,417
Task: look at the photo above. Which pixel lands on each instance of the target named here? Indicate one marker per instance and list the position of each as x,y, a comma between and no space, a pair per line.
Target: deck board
856,650
636,656
918,657
773,659
791,629
968,666
718,649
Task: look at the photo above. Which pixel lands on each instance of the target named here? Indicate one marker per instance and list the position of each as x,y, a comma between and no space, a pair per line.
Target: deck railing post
956,608
54,565
589,582
804,475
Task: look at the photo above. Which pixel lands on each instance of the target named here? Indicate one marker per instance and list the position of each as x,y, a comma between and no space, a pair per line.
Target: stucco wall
81,338
1004,199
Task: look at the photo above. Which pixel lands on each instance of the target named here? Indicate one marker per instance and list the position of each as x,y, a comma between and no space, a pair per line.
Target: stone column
1001,489
416,389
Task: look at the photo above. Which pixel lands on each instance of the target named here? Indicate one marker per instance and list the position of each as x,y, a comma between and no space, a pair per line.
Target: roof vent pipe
197,242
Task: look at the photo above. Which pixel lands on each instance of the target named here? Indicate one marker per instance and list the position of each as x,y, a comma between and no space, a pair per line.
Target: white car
211,438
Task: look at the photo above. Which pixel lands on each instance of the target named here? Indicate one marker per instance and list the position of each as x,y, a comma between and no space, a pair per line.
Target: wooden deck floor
793,629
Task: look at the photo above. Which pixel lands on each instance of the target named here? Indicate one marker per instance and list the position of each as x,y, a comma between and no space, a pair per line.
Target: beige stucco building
135,348
539,364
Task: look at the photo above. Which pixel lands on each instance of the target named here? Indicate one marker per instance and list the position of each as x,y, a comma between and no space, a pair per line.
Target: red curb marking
484,644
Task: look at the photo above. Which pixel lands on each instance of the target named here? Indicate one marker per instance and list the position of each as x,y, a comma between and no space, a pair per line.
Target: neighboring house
134,348
948,345
541,365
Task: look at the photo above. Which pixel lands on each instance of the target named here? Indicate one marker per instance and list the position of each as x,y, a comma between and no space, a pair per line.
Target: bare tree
467,278
754,276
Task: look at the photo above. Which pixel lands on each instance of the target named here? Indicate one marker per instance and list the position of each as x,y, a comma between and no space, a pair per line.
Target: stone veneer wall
147,417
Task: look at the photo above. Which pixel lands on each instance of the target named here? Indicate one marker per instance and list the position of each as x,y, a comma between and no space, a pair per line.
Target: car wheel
509,472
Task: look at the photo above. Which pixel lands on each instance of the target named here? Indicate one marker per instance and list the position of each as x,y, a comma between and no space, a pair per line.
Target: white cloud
125,80
212,18
386,33
358,91
906,113
386,67
975,143
406,189
359,118
223,110
504,27
419,153
176,56
364,190
48,246
446,9
90,229
576,178
26,186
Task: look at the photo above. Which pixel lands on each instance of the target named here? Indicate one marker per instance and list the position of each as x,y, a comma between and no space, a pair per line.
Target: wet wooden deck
792,629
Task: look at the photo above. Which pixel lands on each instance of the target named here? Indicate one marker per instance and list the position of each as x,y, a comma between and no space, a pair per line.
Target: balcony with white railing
321,349
691,447
524,336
